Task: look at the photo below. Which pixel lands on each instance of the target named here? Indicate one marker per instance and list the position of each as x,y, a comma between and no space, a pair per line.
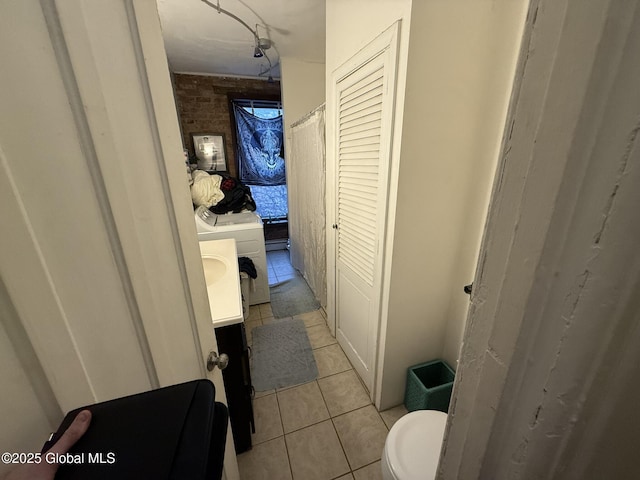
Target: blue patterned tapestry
259,149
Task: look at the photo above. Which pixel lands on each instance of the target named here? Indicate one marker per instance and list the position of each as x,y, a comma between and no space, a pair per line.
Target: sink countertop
220,263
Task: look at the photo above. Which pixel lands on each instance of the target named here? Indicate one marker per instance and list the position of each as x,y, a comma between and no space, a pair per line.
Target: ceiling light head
264,43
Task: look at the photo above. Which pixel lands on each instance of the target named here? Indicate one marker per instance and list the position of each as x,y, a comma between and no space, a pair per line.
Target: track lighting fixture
261,44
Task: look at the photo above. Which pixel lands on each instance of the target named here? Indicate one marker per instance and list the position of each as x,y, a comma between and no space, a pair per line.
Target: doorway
362,101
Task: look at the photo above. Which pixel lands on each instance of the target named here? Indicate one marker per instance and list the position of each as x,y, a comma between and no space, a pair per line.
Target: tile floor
279,267
321,430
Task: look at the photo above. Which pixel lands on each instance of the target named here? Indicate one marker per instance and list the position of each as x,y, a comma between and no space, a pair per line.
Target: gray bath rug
281,355
292,297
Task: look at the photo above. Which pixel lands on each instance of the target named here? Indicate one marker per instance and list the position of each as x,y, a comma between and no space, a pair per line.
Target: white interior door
364,92
102,292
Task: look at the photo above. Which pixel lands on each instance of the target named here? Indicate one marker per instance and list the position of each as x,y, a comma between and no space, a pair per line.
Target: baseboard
272,245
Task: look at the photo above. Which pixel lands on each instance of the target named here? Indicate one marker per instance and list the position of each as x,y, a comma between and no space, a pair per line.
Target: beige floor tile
370,472
266,461
343,392
311,318
268,320
265,310
392,415
320,336
254,313
267,419
301,406
331,360
362,433
262,394
315,453
289,387
348,476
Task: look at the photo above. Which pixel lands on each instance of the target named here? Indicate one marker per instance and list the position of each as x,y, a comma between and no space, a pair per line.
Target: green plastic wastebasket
429,386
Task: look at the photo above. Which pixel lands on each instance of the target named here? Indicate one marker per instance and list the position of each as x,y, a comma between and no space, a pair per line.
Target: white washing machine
246,229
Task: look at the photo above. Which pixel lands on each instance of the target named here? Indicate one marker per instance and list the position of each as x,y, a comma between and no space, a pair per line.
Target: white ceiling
198,39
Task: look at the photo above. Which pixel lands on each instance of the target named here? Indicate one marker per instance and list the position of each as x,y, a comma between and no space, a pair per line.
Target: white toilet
412,448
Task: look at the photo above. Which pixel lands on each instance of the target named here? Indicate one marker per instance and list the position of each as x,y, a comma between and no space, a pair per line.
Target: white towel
205,190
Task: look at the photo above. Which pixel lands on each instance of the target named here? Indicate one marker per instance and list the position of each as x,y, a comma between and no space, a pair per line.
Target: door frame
387,43
549,357
114,79
161,105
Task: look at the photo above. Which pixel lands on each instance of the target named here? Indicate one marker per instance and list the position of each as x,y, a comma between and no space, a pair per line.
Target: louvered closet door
363,129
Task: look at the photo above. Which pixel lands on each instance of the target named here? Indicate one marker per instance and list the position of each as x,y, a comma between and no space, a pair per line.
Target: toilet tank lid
414,442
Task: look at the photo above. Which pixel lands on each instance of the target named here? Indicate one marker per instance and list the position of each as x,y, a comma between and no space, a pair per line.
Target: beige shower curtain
306,187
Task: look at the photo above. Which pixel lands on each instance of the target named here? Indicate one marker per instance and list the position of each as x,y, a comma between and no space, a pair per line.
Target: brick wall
203,106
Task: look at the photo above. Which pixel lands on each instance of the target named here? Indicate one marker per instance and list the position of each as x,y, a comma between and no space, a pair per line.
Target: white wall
547,384
303,89
492,53
351,24
461,64
27,412
456,61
